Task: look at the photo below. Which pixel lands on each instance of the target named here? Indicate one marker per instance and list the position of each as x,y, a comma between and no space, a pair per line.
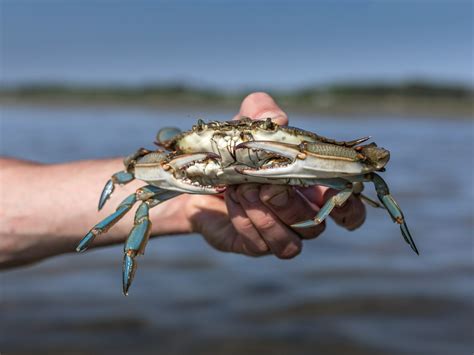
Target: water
356,292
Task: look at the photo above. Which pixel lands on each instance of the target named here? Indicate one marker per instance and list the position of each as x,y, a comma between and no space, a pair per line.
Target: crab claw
290,152
304,161
184,160
202,161
293,164
175,174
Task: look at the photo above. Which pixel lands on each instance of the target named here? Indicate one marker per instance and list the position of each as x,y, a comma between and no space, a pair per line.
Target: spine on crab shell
348,144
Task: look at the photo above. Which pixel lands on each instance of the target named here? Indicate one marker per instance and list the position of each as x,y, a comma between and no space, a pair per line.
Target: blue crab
213,155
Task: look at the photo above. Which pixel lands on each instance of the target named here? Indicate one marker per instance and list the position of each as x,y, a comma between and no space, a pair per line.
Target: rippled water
356,292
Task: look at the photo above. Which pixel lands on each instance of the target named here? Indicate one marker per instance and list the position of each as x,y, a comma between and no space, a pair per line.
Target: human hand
255,219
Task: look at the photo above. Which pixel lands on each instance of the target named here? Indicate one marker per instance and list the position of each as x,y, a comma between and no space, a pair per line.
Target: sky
235,44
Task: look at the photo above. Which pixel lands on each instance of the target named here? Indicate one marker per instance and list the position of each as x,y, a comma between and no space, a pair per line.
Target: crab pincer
173,172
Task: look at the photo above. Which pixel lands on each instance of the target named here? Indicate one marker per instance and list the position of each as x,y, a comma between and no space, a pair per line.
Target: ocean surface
360,292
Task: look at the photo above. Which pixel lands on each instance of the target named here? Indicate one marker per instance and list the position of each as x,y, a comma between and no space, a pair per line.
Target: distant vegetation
372,98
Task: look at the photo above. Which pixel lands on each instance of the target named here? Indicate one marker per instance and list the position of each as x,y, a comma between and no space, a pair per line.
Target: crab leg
121,178
335,201
369,201
140,233
389,203
383,193
104,225
358,187
310,162
135,244
144,193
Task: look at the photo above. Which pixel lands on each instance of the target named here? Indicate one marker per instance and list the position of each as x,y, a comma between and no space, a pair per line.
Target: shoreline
415,98
443,109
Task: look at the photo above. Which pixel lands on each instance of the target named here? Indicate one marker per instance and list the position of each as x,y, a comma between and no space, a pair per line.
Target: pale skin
47,208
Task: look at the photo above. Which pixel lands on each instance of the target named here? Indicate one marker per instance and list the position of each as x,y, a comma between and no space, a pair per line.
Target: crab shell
234,152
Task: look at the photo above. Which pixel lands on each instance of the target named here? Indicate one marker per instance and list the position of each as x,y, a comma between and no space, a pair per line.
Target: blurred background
91,79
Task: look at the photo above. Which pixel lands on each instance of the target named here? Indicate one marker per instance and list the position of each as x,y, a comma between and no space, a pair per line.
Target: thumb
260,105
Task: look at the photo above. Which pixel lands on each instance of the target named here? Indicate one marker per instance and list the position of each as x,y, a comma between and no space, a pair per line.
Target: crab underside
214,155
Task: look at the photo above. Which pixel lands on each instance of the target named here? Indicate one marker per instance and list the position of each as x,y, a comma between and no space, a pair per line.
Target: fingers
260,105
250,236
290,207
209,216
253,220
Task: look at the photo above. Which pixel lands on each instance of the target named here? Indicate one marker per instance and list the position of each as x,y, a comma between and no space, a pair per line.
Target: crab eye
166,134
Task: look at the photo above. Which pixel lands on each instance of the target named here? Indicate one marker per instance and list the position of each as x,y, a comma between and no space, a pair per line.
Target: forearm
46,209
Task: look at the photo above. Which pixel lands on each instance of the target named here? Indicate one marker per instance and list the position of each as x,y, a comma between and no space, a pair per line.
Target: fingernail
251,195
280,199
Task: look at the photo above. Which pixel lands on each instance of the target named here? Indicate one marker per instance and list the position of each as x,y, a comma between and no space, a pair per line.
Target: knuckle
294,214
268,192
266,224
244,225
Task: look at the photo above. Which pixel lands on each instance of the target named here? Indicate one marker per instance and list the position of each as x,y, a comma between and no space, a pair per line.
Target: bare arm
46,209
